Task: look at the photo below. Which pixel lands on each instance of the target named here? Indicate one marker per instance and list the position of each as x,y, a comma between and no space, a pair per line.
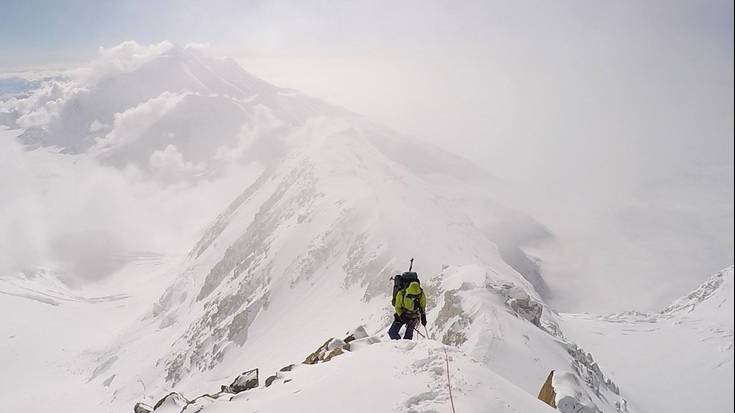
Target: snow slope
49,332
388,376
307,251
678,360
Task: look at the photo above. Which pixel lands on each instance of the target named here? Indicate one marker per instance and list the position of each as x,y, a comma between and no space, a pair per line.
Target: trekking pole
418,331
410,267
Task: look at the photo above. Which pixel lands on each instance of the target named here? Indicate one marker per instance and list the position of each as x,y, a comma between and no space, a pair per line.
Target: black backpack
401,281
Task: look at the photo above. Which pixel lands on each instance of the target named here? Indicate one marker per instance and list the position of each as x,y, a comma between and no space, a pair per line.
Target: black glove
423,319
397,317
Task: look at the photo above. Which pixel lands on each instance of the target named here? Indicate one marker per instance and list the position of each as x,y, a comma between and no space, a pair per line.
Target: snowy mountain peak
718,290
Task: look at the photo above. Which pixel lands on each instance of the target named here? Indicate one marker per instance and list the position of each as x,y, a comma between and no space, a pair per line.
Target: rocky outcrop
700,295
270,379
527,308
520,302
199,404
333,347
246,381
586,367
172,402
357,334
547,393
564,391
142,408
453,318
279,374
582,389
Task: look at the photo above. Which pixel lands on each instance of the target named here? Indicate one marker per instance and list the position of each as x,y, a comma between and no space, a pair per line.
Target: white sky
615,119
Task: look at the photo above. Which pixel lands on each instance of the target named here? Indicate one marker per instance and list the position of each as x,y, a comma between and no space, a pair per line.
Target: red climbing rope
446,361
449,383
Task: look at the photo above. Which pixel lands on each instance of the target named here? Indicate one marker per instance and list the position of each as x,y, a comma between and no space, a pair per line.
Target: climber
410,307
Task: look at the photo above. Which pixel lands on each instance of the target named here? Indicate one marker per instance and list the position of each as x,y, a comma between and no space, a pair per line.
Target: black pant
395,328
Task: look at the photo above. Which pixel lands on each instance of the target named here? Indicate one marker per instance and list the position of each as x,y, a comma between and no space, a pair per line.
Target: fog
613,121
73,216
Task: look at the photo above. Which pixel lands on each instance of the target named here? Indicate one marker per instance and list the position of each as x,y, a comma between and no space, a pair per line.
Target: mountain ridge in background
330,208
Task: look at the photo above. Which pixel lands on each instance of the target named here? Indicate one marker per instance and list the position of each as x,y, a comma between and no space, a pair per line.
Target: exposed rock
176,403
552,327
622,406
570,394
175,368
270,380
589,371
460,321
696,297
224,395
586,367
334,346
518,300
314,357
173,402
288,368
525,307
337,343
142,408
547,393
334,353
246,381
279,374
612,386
198,404
330,349
569,404
356,334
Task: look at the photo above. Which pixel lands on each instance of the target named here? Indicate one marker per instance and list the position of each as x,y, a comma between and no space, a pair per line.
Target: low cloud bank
72,214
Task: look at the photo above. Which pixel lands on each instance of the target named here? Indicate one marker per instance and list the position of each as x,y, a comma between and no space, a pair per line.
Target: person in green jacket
410,307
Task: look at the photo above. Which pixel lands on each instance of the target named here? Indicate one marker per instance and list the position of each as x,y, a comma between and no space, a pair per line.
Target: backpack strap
416,300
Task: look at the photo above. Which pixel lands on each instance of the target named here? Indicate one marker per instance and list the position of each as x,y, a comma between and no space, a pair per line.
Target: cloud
123,58
262,122
72,214
96,126
132,123
585,109
198,46
52,198
42,105
170,161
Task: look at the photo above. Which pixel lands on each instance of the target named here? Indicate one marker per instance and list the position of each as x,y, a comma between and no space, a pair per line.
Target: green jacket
405,301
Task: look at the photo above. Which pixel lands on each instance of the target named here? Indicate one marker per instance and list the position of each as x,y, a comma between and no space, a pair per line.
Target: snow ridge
704,292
